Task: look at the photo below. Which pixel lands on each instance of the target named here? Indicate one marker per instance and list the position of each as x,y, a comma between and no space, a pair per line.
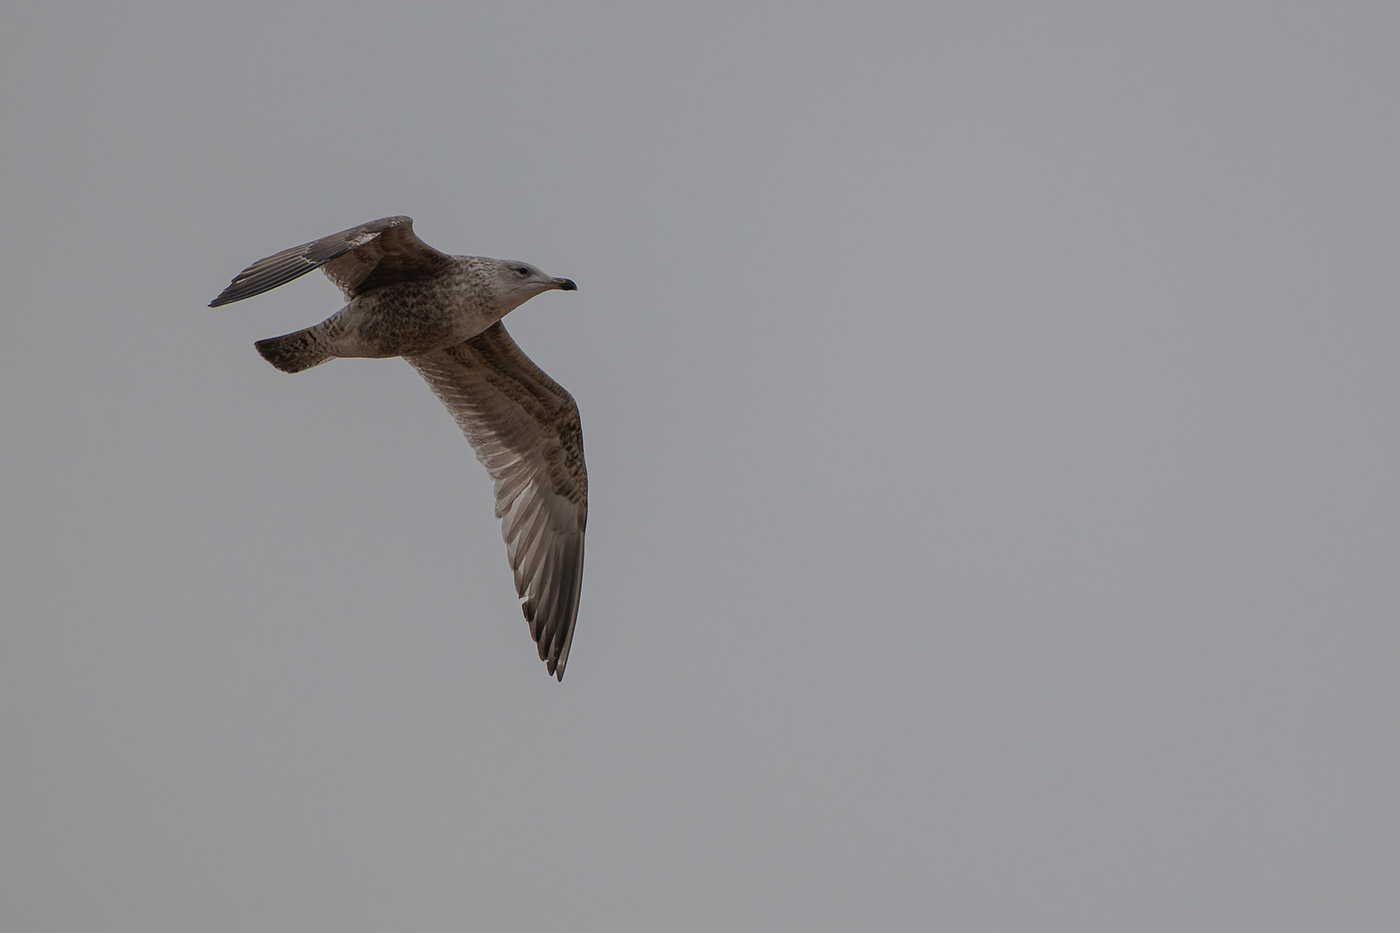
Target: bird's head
520,281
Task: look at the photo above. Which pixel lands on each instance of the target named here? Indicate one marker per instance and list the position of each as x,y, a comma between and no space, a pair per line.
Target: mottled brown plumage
443,314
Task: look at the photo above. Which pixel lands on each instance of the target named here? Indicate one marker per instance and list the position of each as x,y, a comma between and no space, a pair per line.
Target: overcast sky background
990,413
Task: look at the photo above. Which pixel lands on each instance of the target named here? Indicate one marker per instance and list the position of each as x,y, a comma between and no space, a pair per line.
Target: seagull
443,315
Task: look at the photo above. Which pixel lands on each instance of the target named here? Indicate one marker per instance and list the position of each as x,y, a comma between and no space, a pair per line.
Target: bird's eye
522,270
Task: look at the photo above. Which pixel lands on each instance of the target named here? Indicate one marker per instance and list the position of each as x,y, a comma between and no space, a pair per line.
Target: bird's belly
408,324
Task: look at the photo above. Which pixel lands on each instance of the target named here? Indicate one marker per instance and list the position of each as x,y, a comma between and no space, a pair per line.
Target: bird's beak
565,285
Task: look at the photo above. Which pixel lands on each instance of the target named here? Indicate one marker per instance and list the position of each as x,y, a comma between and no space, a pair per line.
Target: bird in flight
443,315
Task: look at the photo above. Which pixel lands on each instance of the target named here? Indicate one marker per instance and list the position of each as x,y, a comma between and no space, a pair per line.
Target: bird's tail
292,353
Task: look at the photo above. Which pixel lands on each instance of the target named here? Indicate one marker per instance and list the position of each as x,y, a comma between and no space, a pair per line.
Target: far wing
525,429
357,260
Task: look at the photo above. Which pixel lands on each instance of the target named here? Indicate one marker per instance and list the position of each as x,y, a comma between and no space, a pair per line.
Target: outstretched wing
357,260
525,429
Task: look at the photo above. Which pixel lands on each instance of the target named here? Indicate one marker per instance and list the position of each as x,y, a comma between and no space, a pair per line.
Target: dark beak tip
567,285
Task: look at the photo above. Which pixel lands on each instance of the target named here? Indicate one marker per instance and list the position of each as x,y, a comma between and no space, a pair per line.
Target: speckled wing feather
357,260
525,429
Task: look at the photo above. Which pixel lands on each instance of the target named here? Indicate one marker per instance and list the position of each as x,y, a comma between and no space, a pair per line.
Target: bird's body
418,315
443,315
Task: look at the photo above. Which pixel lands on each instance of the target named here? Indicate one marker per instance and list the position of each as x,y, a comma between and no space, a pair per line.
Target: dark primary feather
357,260
525,430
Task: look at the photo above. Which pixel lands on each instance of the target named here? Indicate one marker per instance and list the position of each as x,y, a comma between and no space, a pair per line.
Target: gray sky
990,416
